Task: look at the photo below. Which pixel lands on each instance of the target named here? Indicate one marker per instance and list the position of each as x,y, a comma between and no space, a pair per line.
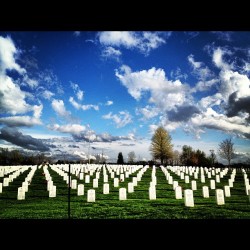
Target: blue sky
60,90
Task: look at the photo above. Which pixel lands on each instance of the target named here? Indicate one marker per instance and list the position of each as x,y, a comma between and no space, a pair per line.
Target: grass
38,205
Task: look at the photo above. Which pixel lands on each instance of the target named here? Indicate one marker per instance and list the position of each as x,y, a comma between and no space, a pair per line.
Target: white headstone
122,194
170,179
178,192
97,175
175,184
193,185
203,178
130,187
87,179
230,183
196,175
209,175
217,178
189,198
80,189
186,178
52,191
247,189
74,184
220,196
95,183
105,178
25,186
134,181
6,182
116,182
112,175
127,174
152,193
20,194
106,188
49,185
212,184
121,177
182,176
1,187
213,173
81,176
205,192
227,191
91,195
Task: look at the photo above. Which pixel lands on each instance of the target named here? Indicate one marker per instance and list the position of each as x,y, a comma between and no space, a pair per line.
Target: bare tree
161,147
226,150
131,157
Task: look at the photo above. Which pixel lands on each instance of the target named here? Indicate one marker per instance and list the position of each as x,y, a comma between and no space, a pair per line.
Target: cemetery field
138,201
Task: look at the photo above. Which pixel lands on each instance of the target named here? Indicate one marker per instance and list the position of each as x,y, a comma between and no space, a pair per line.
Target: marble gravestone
130,187
219,193
122,194
205,192
106,188
80,189
178,192
152,193
188,198
91,195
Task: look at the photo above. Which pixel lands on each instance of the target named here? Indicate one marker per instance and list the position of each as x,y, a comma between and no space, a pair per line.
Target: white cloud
108,103
79,93
90,106
143,41
17,121
211,119
69,128
74,103
83,107
199,69
177,74
147,112
110,52
218,58
164,93
47,94
59,108
121,119
12,99
210,101
7,56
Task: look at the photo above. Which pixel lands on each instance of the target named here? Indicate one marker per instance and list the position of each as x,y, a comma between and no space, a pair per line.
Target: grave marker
20,194
203,179
220,196
95,183
87,179
152,193
80,189
178,192
227,191
116,182
122,194
212,184
91,195
74,184
186,179
193,185
189,198
205,192
52,191
106,188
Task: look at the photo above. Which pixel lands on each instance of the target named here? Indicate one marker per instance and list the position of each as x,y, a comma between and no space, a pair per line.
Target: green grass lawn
38,205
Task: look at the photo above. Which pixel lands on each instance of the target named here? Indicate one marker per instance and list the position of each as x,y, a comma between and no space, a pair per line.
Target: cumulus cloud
77,33
8,53
110,52
79,93
18,121
59,108
121,119
12,98
164,93
69,128
47,94
182,113
147,112
177,74
143,41
83,107
109,103
15,137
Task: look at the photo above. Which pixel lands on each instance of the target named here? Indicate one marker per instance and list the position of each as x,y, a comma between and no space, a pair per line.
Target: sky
70,94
